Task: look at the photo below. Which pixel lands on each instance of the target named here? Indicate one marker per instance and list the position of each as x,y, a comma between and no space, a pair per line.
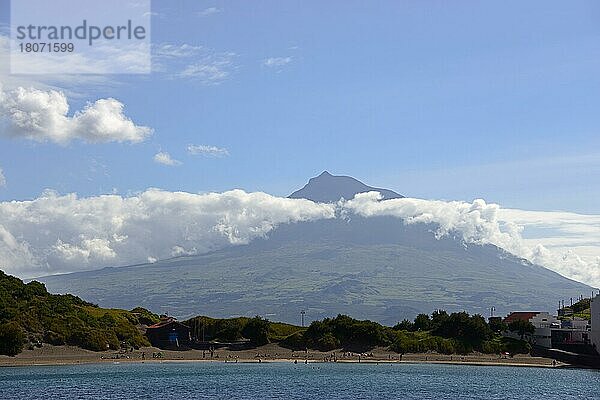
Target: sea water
295,381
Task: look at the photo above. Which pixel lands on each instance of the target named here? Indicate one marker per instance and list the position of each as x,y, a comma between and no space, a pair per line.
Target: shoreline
68,355
286,361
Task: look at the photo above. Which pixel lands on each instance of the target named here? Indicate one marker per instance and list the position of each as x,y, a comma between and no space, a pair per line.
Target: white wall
545,320
542,337
575,324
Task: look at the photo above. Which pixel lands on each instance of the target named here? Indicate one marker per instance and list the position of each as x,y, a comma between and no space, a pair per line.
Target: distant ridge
327,188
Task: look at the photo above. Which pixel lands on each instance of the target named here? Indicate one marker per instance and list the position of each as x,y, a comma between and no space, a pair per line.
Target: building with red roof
169,334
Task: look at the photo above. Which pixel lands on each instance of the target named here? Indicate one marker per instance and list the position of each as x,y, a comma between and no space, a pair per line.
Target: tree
464,327
405,325
229,331
422,323
438,317
497,325
257,331
12,339
521,327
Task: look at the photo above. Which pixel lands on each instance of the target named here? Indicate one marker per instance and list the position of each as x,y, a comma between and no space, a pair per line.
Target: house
573,340
169,334
543,322
537,318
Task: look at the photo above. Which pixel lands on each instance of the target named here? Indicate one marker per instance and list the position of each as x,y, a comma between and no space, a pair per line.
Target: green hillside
29,315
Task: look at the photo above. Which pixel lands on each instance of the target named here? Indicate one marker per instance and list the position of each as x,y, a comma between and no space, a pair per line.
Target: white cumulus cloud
42,115
213,151
164,158
55,233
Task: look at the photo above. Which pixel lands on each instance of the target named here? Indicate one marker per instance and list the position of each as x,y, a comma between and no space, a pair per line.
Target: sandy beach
69,355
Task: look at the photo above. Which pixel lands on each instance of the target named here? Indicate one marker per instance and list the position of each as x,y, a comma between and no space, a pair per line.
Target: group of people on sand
211,350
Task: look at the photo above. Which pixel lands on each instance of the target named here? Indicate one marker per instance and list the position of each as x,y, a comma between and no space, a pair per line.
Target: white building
543,323
545,320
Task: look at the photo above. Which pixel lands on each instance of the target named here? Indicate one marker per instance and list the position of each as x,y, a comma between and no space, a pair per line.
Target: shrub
407,345
491,347
54,338
145,317
327,342
446,346
295,341
12,339
514,346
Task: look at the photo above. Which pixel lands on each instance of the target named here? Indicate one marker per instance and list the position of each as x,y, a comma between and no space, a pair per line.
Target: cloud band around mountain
54,233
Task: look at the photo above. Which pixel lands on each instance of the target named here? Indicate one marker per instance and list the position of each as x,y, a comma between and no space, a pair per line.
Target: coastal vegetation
257,330
521,327
29,315
455,333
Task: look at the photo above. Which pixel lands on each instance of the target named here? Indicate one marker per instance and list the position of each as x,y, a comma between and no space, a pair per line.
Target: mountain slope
376,268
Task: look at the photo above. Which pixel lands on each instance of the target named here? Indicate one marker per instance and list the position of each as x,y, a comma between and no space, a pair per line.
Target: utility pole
302,317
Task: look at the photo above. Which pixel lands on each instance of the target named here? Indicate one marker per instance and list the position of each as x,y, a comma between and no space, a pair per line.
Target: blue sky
444,100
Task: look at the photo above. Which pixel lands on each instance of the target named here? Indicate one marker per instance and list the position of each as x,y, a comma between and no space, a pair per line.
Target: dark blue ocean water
289,381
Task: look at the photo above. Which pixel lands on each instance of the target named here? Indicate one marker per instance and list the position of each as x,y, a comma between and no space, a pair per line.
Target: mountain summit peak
327,188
